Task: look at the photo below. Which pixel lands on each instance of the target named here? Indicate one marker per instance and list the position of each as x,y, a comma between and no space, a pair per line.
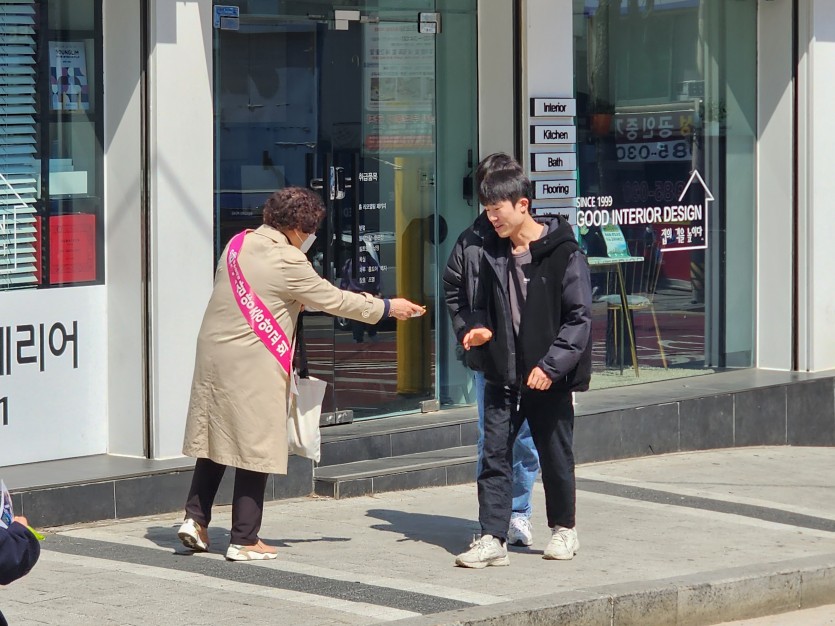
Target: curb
692,600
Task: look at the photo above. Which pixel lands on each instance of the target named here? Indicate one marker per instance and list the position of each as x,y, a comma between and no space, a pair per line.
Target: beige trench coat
238,409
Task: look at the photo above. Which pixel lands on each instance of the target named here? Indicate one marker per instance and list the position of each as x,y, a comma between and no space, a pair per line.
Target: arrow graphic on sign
708,198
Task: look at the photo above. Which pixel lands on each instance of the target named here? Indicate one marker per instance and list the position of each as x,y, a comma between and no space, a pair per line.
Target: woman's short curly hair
294,208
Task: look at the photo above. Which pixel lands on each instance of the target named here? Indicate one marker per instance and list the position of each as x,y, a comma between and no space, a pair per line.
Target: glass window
666,93
51,213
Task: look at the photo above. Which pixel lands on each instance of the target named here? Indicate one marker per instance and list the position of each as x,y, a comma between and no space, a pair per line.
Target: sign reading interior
553,107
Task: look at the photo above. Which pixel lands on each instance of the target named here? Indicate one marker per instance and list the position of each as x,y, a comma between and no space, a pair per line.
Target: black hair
492,162
504,184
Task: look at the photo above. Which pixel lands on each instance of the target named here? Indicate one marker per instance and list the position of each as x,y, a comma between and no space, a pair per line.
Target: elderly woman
239,395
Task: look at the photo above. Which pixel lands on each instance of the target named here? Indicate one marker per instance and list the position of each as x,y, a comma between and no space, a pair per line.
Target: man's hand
539,380
476,337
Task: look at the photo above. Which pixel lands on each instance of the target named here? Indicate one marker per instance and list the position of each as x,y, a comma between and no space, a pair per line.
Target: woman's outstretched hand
403,309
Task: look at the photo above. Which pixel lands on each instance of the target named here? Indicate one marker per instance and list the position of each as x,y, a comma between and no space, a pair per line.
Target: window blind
18,144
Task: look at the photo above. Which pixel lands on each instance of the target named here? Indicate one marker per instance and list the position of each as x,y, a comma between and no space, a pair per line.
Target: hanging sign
553,107
551,134
226,17
553,161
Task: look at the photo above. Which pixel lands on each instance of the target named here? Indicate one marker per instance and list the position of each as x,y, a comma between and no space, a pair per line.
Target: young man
531,325
460,285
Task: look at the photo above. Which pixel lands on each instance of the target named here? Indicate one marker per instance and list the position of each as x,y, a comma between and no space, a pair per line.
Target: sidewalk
691,538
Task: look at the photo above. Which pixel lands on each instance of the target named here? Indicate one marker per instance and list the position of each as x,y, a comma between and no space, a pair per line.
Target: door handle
337,183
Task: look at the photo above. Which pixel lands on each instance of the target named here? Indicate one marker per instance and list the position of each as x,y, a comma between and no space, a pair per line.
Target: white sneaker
193,536
259,552
563,545
520,532
488,550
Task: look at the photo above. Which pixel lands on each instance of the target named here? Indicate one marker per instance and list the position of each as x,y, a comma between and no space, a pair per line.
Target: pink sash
261,321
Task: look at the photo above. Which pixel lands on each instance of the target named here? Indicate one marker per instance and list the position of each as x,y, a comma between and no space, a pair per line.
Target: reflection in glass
666,88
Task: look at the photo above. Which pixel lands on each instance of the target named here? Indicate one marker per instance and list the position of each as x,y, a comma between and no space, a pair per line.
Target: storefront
373,107
666,95
137,137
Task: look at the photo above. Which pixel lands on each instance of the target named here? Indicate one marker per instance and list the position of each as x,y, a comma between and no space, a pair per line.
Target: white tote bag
303,437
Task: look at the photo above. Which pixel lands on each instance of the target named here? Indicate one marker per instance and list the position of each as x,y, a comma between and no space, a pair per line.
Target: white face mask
305,245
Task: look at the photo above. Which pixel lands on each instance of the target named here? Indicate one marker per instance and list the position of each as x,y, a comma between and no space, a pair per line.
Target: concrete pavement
691,538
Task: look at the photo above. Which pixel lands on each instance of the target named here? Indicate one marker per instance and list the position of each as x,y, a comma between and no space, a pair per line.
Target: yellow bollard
414,349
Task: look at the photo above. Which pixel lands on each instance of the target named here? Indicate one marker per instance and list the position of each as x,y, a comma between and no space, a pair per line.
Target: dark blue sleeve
19,551
575,330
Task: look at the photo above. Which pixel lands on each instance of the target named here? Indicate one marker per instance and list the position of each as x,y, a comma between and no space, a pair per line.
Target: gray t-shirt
517,283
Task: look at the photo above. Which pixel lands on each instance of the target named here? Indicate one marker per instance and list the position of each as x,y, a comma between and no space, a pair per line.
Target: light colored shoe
520,532
194,536
259,552
487,550
564,544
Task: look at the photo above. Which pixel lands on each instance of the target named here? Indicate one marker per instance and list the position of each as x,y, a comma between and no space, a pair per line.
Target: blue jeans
525,457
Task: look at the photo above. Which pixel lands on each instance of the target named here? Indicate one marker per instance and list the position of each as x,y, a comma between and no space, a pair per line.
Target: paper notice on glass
7,512
68,80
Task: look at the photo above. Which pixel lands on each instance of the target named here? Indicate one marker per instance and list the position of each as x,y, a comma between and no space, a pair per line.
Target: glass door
342,102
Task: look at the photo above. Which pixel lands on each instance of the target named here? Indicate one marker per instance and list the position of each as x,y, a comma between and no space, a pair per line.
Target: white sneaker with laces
520,532
487,550
193,536
564,544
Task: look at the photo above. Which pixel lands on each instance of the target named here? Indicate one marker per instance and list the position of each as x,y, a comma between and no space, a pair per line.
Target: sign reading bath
553,161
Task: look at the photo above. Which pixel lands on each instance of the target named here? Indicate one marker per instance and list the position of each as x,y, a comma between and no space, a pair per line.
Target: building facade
686,140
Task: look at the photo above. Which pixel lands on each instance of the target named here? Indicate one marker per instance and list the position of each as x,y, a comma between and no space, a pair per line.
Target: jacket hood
482,226
559,232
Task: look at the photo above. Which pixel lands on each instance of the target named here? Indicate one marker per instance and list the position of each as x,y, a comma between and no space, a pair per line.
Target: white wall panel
816,283
181,206
774,186
123,227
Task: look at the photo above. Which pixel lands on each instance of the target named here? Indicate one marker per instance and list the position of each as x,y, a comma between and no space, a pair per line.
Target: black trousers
551,419
247,499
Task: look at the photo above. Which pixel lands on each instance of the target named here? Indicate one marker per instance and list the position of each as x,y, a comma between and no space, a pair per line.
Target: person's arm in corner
19,551
575,331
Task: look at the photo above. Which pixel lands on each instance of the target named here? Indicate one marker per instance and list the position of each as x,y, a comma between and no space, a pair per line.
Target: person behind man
460,284
19,551
531,325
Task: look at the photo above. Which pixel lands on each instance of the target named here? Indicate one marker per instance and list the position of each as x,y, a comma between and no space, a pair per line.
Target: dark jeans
551,419
247,499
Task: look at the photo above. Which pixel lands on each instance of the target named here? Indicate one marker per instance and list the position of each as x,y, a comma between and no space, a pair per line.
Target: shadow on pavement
453,534
166,537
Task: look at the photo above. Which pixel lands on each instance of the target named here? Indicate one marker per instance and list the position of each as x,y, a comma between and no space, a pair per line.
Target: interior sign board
552,134
553,161
553,107
554,189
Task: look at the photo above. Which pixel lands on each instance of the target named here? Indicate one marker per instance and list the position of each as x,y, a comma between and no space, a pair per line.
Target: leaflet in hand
7,511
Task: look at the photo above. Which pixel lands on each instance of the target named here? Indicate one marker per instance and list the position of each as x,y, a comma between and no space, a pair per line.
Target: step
433,468
397,436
